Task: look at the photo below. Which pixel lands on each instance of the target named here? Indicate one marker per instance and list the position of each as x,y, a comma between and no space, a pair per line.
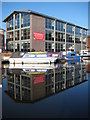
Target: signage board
38,35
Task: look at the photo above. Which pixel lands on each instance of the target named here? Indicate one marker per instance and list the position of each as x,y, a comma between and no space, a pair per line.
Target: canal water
46,91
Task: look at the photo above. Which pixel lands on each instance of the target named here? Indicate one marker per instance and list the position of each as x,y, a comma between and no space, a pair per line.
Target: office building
28,30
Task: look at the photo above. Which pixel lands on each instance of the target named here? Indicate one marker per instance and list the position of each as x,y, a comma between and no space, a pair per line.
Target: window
49,35
10,23
25,34
17,21
49,23
69,29
60,36
9,36
17,35
25,46
48,46
25,19
60,26
77,31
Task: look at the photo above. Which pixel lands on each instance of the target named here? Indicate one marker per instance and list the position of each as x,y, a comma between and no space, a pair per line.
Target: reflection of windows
48,46
25,34
60,36
25,19
49,23
17,35
78,31
69,29
10,36
10,23
60,26
70,47
17,21
69,38
25,46
77,39
10,46
59,47
49,35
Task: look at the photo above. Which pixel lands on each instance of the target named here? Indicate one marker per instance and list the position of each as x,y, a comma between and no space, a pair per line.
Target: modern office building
28,30
24,85
1,39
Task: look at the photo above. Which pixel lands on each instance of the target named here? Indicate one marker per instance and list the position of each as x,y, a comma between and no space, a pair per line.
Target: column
54,34
81,39
86,39
13,32
65,36
74,40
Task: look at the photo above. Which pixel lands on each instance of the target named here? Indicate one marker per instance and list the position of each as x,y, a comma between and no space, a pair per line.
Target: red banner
38,36
39,79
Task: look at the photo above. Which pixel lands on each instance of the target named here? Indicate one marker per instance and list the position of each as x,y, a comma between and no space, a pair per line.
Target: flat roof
43,15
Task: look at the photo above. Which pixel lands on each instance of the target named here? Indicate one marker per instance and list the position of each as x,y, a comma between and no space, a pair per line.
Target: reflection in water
24,85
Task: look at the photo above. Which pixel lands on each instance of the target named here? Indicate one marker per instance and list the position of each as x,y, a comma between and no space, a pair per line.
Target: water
56,91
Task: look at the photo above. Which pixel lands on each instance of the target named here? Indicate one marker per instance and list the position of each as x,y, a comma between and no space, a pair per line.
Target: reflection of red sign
39,79
38,36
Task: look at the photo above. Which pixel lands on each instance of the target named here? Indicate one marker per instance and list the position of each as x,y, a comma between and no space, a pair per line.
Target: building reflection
28,86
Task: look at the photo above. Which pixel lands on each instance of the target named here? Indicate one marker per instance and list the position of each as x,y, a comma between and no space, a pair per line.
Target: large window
10,23
60,36
49,35
48,46
69,38
70,47
60,26
17,21
25,19
49,23
77,31
10,36
59,47
69,29
17,35
25,34
10,46
84,36
77,39
25,46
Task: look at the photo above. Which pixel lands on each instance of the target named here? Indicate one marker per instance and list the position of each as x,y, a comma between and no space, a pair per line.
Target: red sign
38,36
39,79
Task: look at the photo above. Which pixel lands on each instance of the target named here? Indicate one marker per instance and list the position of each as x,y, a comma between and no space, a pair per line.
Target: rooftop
43,15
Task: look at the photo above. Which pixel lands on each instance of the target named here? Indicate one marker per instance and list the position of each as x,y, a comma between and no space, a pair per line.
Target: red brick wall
88,43
37,24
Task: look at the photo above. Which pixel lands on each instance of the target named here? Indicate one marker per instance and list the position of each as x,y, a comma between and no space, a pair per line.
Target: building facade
28,30
88,42
1,39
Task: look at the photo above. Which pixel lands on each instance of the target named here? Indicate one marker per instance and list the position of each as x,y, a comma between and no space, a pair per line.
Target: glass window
25,34
49,23
17,21
25,19
9,36
60,26
10,23
25,46
49,35
17,35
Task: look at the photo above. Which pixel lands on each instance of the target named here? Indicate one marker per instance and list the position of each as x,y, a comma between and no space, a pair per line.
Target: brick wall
88,43
37,24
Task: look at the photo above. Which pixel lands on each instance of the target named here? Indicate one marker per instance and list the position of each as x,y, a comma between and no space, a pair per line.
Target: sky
74,12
